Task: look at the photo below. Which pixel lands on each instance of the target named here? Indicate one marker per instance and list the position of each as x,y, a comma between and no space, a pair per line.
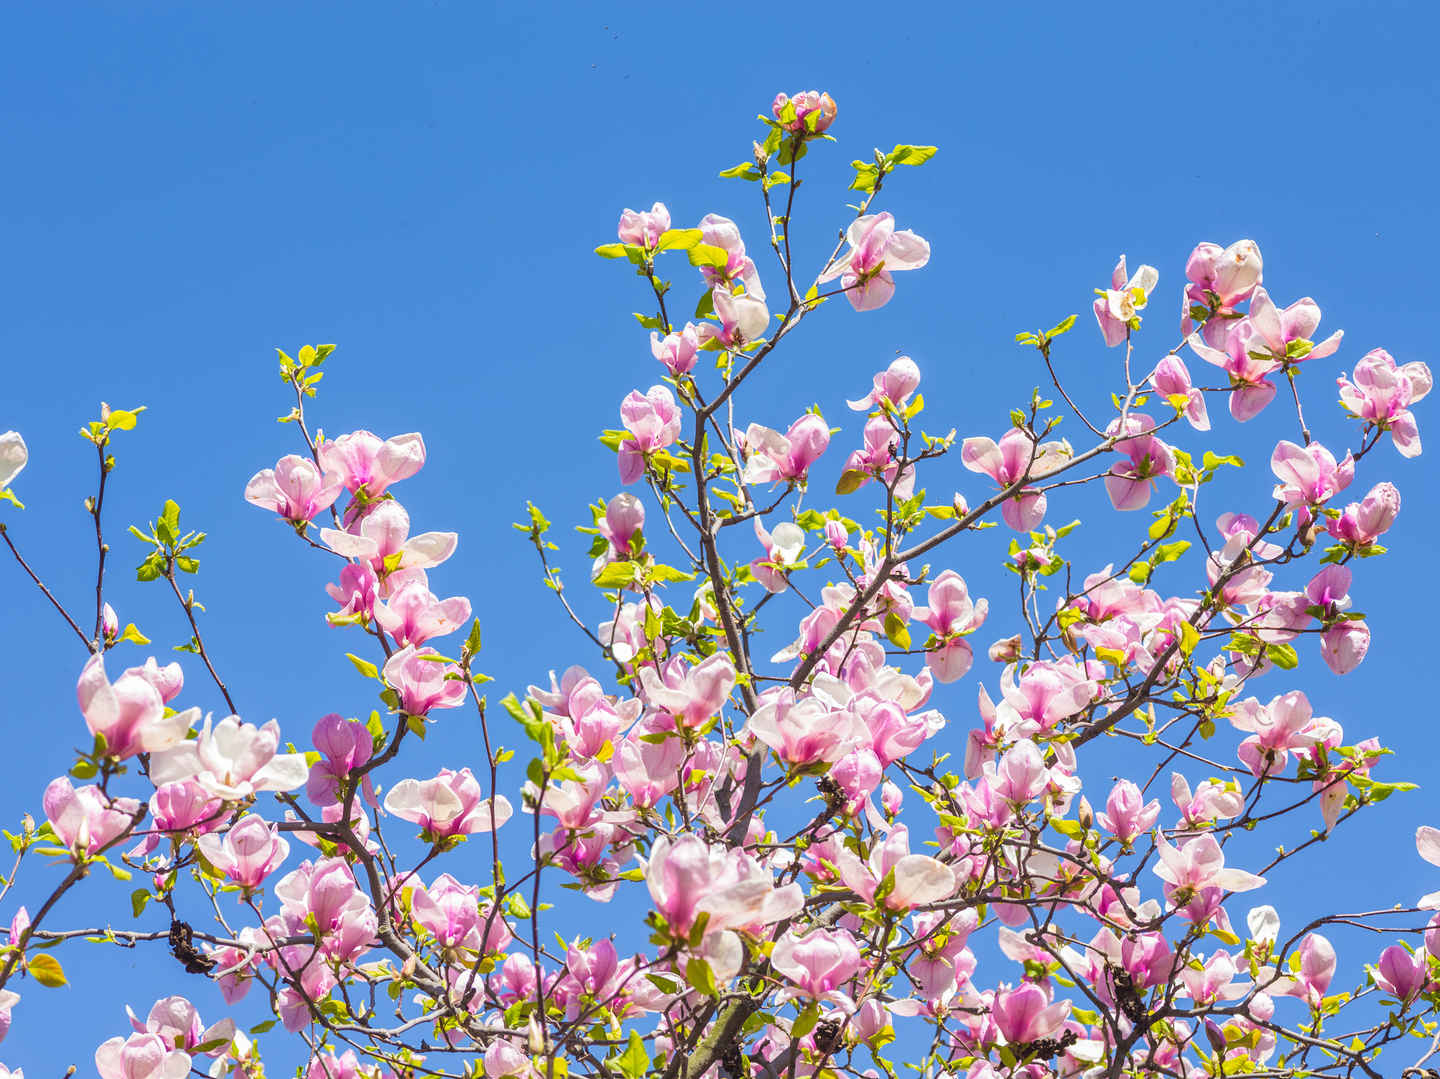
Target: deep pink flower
813,111
772,457
248,853
294,488
361,459
130,713
653,420
876,252
1382,393
421,682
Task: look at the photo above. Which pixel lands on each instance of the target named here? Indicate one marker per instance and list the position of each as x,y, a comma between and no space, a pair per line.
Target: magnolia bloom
1127,815
876,252
382,534
739,267
1366,521
644,229
13,457
1427,844
814,111
772,457
1129,483
294,488
653,420
1309,475
808,730
414,614
248,853
1402,974
1200,863
952,616
783,548
85,819
1025,1014
8,1000
1283,726
1382,393
743,318
1317,969
421,682
819,964
687,878
232,760
178,1021
623,521
1007,462
452,913
1171,379
1220,279
677,351
130,713
918,878
448,805
141,1056
892,386
1117,308
361,459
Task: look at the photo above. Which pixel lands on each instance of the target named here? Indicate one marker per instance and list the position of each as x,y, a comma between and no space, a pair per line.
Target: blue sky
188,187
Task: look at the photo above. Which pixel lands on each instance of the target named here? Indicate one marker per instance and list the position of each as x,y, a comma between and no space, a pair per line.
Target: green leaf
896,630
679,239
364,666
613,251
866,177
46,970
701,977
138,899
187,564
746,170
805,1021
910,155
670,573
1064,327
616,575
133,635
850,480
472,642
702,254
634,1062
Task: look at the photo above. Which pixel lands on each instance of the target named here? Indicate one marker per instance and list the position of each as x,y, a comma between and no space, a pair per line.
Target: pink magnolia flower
677,350
248,853
1285,336
1026,1014
1210,801
1343,646
644,229
1402,974
131,712
624,518
819,964
687,878
1007,463
421,682
414,614
892,386
232,760
356,592
1129,484
1117,308
1199,864
1220,279
1250,386
178,1021
504,1058
952,616
1382,393
653,420
1366,521
294,488
691,695
783,548
739,268
141,1056
877,459
836,534
13,457
1214,981
807,730
361,460
813,111
1020,774
914,879
743,319
1127,815
85,819
346,1066
1427,844
772,457
452,913
182,807
344,746
382,538
451,804
8,999
1309,475
326,892
1171,379
1278,728
1316,970
876,252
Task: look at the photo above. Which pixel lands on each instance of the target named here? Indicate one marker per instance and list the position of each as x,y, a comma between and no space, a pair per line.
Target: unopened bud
536,1037
1006,650
961,506
407,969
760,155
1085,814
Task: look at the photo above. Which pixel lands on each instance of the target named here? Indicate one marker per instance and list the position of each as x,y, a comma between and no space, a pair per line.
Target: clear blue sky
187,187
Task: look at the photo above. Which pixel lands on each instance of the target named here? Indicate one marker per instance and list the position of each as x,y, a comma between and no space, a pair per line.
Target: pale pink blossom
232,760
382,538
1283,726
813,111
1402,974
876,252
1382,393
892,386
414,614
783,548
686,878
653,422
178,1021
85,819
1026,1014
1287,336
1171,379
1309,475
952,616
1117,309
1200,863
1127,815
423,683
1130,483
1220,279
806,730
13,457
452,912
643,229
819,964
248,853
130,713
295,489
772,457
624,518
915,879
677,350
1014,458
141,1056
743,319
356,592
361,459
450,804
1366,521
690,695
739,268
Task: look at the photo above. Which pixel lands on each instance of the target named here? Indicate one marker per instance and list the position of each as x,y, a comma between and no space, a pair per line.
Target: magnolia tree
810,869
